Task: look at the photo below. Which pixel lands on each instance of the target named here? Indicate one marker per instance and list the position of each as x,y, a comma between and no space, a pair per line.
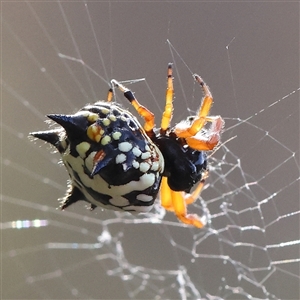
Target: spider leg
110,95
168,111
191,198
165,195
178,201
212,138
146,114
202,118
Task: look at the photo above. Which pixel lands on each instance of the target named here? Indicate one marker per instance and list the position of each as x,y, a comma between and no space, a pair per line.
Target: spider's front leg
146,114
168,111
189,131
211,138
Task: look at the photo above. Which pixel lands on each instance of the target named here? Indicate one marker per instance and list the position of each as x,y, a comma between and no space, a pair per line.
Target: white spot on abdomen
120,158
119,201
125,147
144,197
136,151
82,148
144,167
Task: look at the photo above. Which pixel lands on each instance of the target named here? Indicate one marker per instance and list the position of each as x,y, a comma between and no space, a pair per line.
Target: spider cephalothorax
116,163
183,165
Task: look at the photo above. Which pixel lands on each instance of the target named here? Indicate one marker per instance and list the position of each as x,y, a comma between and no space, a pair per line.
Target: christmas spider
116,163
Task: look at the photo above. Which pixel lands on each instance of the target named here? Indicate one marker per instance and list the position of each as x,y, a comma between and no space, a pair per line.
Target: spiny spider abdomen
111,161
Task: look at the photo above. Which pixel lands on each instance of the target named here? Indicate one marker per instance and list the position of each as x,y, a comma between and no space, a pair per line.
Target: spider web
57,56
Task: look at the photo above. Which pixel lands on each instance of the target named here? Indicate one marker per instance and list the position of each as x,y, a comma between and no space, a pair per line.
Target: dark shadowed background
248,53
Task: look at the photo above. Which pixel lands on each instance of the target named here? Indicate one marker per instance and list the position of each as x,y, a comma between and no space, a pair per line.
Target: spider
116,163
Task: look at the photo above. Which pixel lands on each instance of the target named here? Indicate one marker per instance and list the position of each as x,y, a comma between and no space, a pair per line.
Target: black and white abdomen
111,161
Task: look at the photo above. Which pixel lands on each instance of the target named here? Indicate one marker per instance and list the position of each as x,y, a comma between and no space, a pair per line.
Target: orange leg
178,201
165,195
202,118
146,114
191,198
213,136
168,111
109,95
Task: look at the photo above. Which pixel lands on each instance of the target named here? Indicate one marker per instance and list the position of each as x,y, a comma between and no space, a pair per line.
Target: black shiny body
183,165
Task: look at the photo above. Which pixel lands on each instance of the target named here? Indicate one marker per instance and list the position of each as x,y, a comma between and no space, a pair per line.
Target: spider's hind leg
177,202
191,198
